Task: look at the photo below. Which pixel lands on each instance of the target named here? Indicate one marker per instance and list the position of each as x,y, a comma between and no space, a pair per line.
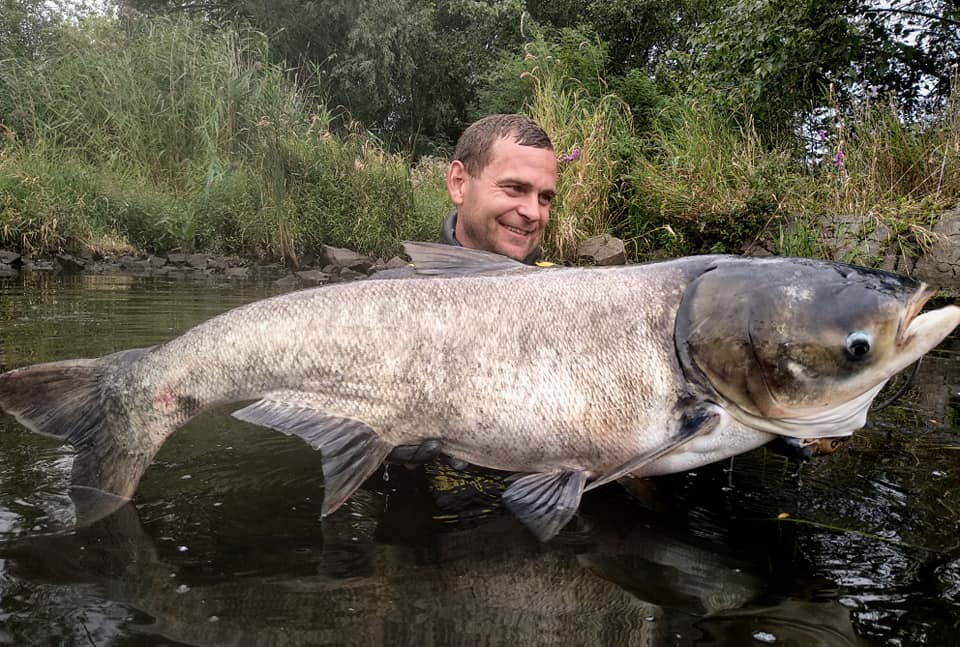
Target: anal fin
545,503
351,449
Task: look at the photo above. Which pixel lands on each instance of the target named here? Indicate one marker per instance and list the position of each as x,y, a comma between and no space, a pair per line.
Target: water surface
224,545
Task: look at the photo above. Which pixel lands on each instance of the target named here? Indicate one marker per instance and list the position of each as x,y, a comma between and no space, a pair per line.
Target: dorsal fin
435,259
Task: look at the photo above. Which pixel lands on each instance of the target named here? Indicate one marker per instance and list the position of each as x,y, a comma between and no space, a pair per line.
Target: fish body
562,375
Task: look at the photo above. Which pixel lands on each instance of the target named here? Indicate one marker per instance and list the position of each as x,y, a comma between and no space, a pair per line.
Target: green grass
154,134
165,135
708,183
590,129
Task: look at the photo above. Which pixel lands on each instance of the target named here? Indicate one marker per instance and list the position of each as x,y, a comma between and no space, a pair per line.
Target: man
502,180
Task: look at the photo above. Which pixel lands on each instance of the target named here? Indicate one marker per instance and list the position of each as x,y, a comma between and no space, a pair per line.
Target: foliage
25,25
406,70
571,58
274,138
414,73
637,33
641,33
711,183
588,134
777,59
902,174
166,134
707,184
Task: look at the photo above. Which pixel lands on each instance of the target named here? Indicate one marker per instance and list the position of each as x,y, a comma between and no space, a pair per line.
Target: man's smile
516,230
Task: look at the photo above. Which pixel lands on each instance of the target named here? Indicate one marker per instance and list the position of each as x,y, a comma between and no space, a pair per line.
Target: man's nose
529,206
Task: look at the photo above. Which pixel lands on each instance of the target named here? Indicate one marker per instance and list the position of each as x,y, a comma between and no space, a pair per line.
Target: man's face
505,208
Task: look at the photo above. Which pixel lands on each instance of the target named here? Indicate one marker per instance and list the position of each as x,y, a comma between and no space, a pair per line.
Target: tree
405,69
778,58
25,25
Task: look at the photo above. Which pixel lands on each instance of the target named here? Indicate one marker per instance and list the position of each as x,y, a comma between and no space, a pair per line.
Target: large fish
562,375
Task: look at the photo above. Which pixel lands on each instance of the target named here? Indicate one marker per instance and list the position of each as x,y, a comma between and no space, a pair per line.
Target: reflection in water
226,546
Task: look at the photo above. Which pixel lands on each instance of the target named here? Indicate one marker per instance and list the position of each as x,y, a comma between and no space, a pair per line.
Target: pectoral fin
351,450
698,420
545,503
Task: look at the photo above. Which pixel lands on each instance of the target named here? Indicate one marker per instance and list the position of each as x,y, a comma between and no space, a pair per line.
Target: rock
308,259
40,266
396,262
864,240
603,250
177,258
157,261
67,264
346,259
347,274
197,261
313,277
13,259
237,272
177,271
289,281
939,265
6,271
756,248
134,264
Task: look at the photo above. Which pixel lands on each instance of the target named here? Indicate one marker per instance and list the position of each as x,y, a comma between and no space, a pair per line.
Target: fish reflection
485,582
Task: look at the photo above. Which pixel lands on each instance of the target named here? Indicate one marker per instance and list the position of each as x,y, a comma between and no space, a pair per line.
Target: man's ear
456,182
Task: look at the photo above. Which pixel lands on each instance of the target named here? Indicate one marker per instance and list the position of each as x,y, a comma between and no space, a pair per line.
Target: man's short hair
474,146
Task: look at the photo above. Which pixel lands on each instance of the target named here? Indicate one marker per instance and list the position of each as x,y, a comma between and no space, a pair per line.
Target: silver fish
562,375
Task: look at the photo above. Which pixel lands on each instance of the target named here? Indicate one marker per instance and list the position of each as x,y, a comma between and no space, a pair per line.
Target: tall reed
175,135
586,132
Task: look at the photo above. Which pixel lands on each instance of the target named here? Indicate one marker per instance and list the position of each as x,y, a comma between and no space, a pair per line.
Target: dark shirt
448,237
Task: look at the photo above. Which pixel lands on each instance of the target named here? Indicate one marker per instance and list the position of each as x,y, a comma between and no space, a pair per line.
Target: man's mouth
516,230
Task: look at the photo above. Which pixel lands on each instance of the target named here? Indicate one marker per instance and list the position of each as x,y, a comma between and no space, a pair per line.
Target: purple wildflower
822,133
573,156
838,158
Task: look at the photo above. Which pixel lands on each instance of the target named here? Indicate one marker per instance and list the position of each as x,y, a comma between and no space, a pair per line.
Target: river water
224,544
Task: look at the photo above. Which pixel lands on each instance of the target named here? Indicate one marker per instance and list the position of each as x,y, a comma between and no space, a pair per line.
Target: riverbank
332,265
928,254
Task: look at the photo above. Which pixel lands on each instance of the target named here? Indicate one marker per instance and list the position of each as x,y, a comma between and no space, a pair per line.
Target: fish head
801,347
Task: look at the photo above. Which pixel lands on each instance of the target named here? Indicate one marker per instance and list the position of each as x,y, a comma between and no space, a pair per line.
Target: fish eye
858,345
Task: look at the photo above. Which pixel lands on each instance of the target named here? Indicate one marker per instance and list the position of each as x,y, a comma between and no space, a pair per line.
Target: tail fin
66,400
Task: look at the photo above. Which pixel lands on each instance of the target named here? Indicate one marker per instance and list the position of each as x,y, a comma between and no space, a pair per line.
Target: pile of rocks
334,264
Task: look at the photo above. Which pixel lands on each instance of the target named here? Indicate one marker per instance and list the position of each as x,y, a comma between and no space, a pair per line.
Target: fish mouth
919,332
910,315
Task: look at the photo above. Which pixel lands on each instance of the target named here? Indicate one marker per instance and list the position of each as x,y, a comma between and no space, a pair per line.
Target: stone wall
867,240
940,264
